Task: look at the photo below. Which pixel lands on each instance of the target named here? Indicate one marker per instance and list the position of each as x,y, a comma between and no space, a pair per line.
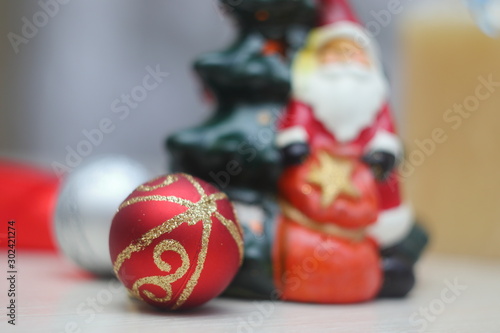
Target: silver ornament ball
88,200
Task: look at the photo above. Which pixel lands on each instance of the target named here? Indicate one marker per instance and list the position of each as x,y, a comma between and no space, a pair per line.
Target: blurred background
64,78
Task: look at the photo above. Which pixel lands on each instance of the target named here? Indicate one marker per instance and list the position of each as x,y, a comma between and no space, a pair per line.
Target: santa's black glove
382,163
294,154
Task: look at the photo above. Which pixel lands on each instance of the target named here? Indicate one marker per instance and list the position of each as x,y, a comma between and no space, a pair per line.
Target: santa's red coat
351,270
320,138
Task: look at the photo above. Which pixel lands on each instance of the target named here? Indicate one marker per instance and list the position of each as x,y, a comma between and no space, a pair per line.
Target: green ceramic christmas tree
250,81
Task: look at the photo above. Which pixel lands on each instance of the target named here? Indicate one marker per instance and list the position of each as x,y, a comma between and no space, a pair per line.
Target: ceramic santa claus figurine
340,186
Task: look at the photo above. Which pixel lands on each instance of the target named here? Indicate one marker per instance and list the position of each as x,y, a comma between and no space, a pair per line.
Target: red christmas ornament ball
175,242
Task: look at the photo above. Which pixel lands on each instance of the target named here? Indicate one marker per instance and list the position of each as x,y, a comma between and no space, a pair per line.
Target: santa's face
342,50
345,94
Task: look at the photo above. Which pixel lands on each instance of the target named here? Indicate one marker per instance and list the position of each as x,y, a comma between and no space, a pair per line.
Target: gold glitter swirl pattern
202,256
175,246
169,180
203,210
164,282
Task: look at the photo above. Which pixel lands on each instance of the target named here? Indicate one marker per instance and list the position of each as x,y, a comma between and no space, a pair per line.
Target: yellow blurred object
452,104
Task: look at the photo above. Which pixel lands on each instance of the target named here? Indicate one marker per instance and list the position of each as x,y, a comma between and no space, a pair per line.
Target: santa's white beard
346,98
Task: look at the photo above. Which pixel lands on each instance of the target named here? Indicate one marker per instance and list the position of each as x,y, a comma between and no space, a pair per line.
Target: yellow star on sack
333,176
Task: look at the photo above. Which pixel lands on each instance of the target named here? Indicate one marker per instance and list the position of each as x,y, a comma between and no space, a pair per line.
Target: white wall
65,78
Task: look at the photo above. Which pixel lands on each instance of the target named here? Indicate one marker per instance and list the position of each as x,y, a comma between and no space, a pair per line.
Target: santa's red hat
338,20
334,11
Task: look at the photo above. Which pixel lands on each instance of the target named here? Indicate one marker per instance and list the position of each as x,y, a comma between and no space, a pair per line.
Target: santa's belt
327,228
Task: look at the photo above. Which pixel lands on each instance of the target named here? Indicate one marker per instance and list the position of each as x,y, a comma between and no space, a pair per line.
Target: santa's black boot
398,262
399,277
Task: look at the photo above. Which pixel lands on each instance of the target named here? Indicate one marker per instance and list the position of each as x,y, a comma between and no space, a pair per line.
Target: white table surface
54,296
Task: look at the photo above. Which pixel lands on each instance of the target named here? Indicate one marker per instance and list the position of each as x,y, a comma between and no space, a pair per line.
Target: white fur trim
296,134
392,226
388,142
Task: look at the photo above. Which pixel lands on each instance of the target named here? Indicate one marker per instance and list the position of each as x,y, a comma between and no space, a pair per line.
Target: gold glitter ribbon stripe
217,196
202,256
196,185
149,237
191,216
176,200
166,182
234,231
327,228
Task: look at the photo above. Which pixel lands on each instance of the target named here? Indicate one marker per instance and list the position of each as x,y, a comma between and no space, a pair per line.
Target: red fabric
28,196
334,11
301,114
